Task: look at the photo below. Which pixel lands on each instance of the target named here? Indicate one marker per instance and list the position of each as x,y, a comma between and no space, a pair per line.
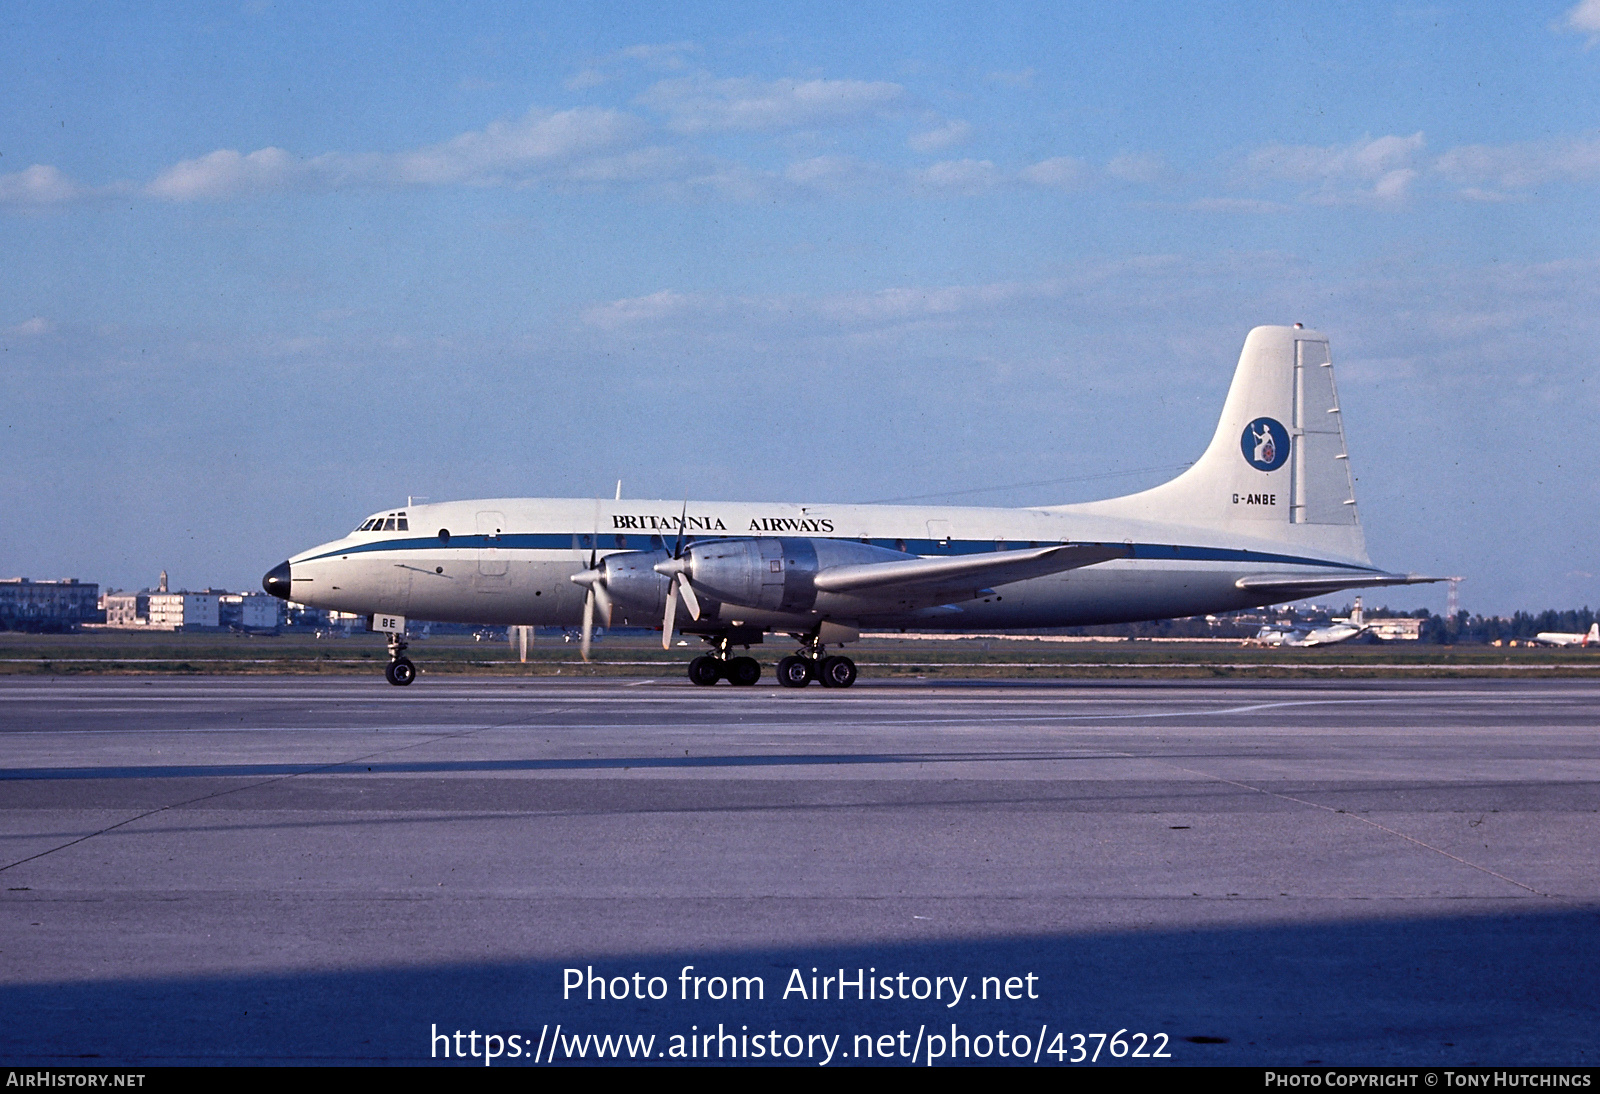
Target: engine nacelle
637,594
773,573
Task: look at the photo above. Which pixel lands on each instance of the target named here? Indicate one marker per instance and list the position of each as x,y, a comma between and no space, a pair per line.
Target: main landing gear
399,671
708,668
811,663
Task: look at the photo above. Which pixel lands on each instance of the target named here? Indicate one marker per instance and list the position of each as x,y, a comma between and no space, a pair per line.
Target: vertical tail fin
1276,467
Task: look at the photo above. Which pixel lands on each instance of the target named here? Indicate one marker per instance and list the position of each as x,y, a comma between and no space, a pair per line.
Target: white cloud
951,133
1377,170
1365,160
538,139
1526,164
703,104
1060,172
900,305
1392,185
584,79
964,176
846,311
32,328
226,173
37,185
656,308
660,55
834,174
1137,167
657,57
1585,18
561,144
1237,205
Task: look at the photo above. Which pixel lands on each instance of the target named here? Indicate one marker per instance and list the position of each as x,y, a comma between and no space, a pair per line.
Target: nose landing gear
399,671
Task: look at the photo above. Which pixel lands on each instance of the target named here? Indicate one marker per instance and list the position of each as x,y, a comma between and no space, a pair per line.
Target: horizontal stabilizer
966,572
1281,587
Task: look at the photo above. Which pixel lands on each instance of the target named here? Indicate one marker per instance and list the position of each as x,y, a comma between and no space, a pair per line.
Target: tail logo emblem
1265,443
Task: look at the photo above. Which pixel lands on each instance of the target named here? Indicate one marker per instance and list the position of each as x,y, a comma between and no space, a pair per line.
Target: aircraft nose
277,581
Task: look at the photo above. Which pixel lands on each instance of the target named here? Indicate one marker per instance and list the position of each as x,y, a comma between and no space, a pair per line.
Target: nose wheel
399,671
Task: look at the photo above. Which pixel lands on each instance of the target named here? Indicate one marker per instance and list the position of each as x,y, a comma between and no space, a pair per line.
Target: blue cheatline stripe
566,541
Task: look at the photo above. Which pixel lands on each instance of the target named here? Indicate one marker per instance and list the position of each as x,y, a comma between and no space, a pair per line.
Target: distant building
249,611
180,611
126,609
163,610
47,605
1400,629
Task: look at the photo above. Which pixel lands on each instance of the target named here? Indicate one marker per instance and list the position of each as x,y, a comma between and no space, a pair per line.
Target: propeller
677,568
590,580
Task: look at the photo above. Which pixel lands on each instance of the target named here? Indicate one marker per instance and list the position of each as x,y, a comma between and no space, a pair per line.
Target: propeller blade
588,621
690,601
672,610
678,570
683,526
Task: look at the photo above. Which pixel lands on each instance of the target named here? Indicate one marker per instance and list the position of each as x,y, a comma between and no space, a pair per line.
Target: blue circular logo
1265,443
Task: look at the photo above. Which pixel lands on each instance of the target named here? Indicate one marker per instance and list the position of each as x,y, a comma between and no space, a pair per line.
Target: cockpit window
402,526
388,525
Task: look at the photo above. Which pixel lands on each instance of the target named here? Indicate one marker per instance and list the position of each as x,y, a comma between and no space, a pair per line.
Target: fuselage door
491,556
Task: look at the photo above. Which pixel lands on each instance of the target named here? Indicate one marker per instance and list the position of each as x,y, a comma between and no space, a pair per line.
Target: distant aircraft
1340,630
1560,638
1266,515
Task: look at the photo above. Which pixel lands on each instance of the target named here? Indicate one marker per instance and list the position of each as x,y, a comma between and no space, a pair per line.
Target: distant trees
1464,628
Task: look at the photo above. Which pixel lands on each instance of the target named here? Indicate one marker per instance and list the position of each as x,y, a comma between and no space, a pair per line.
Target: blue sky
273,266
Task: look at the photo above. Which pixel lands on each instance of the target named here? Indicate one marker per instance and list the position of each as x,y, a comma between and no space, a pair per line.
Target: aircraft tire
837,672
743,671
705,670
794,672
400,672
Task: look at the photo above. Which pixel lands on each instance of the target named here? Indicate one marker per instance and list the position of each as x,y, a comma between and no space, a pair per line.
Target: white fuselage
511,560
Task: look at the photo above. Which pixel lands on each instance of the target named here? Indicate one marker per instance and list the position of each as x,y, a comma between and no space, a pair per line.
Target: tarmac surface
215,870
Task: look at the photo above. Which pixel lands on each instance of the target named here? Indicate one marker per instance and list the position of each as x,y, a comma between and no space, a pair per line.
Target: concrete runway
331,870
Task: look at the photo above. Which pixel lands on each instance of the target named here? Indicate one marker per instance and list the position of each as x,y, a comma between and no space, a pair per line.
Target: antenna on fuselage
619,490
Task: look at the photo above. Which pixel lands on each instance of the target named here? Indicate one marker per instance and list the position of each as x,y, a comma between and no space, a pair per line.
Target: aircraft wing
1299,586
964,575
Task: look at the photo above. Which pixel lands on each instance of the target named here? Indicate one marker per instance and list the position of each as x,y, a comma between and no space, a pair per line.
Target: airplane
1340,630
1266,515
1562,638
